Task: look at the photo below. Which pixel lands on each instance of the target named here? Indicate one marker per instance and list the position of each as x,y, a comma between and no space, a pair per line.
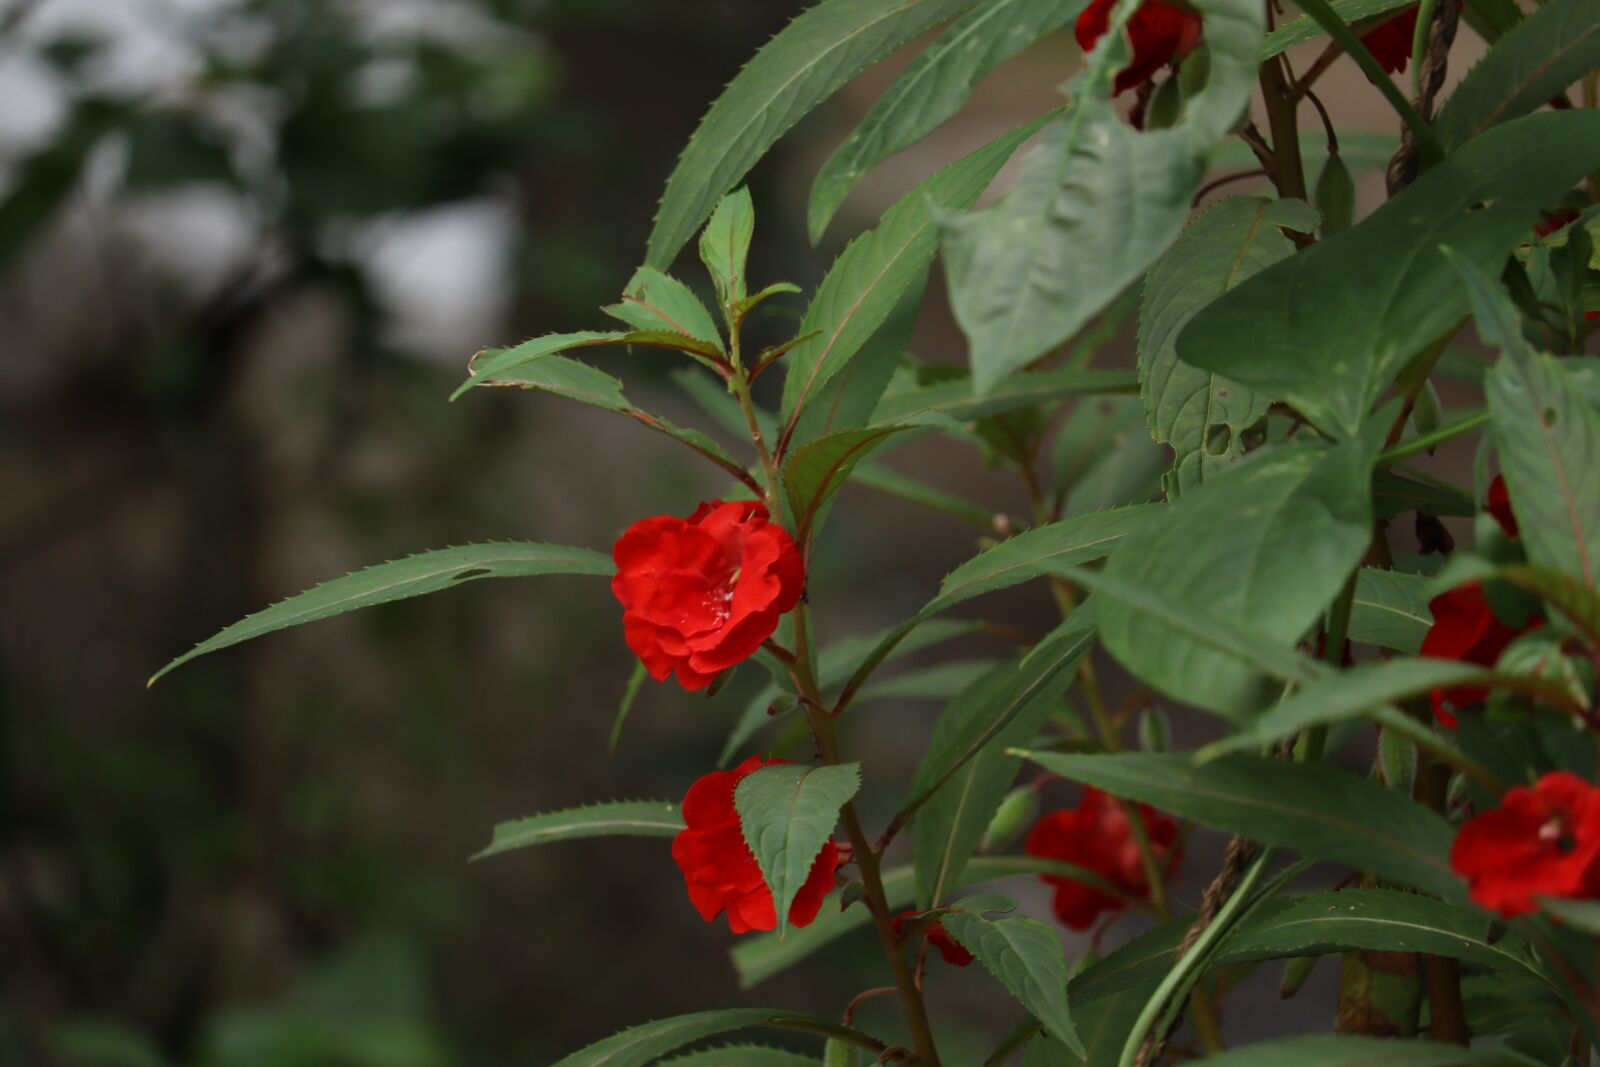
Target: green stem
1419,44
1284,122
1429,441
1428,143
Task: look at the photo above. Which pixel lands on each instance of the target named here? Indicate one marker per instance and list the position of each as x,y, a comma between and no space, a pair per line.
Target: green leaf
1390,609
1268,543
1026,956
725,246
1335,196
936,85
1096,202
1341,1050
625,705
1542,55
1305,28
1548,437
814,473
868,279
979,725
1314,809
826,46
653,301
885,480
509,366
1190,408
1578,602
1103,1027
787,813
426,572
623,818
1583,915
958,400
640,1046
1331,326
744,1056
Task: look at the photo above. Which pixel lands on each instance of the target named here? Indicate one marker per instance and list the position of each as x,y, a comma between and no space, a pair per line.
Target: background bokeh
246,247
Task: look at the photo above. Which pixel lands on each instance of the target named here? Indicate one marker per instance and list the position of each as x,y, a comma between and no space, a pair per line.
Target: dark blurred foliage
259,863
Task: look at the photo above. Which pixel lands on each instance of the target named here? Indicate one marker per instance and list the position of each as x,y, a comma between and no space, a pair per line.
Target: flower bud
1015,813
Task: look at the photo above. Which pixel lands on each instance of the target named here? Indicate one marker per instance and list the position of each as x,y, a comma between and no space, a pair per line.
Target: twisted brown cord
1441,35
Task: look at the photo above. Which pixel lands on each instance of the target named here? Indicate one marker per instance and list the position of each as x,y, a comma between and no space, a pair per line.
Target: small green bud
1014,815
840,1054
1425,415
1335,196
1296,969
1155,729
1195,71
1397,762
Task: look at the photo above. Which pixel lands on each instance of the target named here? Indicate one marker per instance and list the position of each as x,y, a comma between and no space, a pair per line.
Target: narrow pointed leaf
725,245
656,301
642,1045
868,279
744,1056
1026,956
936,85
788,812
814,473
624,818
1332,325
1316,810
826,46
383,583
1542,55
959,400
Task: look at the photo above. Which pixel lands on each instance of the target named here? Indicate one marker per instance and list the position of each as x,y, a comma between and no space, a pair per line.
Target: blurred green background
246,247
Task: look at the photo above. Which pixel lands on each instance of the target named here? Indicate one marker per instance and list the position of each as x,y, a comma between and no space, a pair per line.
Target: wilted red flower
1390,43
699,595
1465,629
1160,33
938,937
1098,836
1498,504
1542,840
721,872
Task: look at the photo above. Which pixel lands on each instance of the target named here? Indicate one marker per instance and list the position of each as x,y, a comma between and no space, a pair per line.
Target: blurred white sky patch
444,275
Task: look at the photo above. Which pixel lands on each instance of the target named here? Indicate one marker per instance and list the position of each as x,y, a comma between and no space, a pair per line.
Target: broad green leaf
787,813
1319,924
623,818
967,769
1390,609
1343,1050
570,378
1103,1027
875,270
1268,543
826,46
1393,494
725,245
1331,326
1305,28
1190,408
656,301
743,1056
640,1046
1026,956
951,823
382,583
1544,54
936,85
1315,809
760,956
958,400
1097,202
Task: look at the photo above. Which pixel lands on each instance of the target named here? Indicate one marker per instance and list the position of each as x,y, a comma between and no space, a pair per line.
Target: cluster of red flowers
1098,836
1163,33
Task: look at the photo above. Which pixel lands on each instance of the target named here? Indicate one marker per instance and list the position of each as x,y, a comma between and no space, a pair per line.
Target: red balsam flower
1540,841
1466,630
721,872
1098,836
938,937
699,595
1160,33
1390,44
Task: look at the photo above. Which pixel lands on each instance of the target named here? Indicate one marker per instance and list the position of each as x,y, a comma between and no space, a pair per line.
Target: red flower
1390,43
1464,629
1499,505
938,937
699,595
721,872
1542,840
1098,836
1160,33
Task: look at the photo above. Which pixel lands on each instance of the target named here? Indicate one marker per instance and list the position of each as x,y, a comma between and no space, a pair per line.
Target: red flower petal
1390,43
1540,841
1466,630
1098,837
1159,32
